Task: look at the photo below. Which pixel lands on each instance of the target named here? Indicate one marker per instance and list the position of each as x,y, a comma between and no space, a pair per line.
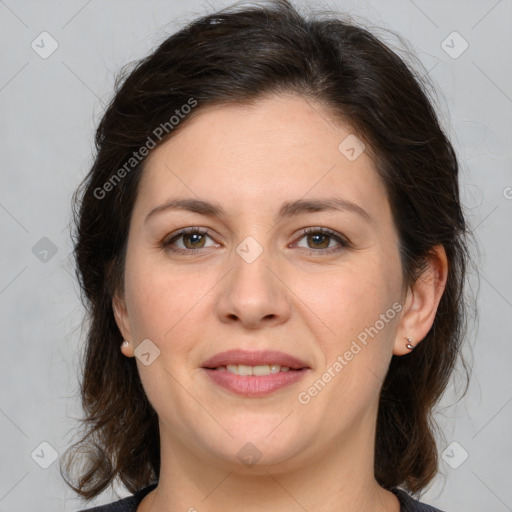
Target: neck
340,479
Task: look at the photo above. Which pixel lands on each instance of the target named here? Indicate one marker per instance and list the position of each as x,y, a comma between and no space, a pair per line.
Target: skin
293,297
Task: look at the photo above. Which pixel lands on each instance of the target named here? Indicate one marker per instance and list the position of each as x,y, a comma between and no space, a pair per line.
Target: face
265,270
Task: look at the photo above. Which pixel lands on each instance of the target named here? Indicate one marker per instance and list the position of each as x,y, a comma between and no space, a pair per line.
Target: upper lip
254,358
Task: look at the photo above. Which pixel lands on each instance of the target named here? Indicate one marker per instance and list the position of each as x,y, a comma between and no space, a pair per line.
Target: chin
254,450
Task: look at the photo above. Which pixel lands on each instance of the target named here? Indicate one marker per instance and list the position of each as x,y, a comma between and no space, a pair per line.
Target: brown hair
239,55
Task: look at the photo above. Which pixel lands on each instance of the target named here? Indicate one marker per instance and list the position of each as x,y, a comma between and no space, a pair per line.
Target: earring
127,348
409,344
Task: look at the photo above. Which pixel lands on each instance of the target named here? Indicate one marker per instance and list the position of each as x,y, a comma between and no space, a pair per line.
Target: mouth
261,369
260,359
254,374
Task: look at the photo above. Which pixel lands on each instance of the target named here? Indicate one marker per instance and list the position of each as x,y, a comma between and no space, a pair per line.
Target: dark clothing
130,504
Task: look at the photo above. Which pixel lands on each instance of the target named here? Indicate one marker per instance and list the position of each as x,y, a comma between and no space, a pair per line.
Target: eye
319,239
193,239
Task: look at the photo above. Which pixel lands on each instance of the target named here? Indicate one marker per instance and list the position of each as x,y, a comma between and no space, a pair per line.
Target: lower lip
254,385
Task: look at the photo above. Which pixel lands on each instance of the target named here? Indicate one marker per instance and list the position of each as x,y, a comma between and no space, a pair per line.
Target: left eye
321,238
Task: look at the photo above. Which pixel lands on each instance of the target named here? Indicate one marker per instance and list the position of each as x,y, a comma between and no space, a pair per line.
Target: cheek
359,309
162,299
351,298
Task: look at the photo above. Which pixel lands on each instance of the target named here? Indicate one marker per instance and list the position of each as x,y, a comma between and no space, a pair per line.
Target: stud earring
124,344
409,344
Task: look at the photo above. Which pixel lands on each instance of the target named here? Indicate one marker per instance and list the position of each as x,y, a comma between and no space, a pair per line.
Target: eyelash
344,243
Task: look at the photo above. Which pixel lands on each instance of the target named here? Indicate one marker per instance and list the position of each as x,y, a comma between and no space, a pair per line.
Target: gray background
49,108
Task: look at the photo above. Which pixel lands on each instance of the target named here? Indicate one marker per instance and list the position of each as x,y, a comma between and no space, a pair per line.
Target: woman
271,247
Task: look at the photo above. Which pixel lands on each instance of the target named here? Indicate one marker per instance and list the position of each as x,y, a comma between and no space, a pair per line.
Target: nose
254,294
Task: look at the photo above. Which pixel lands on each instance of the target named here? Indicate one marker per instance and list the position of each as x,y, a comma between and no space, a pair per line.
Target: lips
254,358
254,374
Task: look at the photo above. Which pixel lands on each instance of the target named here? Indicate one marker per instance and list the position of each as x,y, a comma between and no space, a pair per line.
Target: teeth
244,370
262,369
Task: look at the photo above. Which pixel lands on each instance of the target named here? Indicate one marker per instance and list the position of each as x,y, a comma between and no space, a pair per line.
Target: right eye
193,239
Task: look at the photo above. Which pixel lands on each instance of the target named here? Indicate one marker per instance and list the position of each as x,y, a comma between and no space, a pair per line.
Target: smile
254,373
254,381
261,369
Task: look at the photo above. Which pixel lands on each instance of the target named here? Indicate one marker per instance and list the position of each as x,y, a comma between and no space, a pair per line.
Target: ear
123,324
422,301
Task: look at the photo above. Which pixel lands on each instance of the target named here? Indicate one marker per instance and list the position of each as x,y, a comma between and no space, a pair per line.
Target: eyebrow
287,210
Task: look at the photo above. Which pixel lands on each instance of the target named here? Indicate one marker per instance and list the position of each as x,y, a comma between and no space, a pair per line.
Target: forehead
280,148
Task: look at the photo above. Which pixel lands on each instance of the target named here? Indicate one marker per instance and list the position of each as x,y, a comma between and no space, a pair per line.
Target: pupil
194,238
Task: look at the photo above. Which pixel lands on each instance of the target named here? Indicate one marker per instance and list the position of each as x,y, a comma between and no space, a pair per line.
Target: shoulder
410,504
128,504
